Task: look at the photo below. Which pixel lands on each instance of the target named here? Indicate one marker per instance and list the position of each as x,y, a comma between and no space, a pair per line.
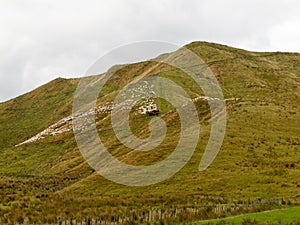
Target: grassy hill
31,113
48,180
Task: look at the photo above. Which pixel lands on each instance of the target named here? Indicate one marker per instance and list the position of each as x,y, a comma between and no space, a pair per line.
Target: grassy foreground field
280,216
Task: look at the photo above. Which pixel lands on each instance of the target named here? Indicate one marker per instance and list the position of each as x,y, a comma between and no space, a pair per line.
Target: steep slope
23,117
259,158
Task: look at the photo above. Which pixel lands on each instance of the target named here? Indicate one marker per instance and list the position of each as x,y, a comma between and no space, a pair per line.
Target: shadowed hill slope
30,113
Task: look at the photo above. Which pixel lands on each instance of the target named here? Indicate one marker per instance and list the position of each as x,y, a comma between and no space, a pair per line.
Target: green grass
261,142
283,216
29,114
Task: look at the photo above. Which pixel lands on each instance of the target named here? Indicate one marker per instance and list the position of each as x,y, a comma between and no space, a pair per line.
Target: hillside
47,178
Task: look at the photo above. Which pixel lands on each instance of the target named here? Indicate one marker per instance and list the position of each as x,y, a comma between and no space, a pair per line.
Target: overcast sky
44,39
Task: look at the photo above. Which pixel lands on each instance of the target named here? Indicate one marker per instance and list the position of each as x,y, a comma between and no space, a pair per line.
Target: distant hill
46,178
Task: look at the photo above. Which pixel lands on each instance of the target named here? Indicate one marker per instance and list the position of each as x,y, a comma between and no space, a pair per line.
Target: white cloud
41,40
286,36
